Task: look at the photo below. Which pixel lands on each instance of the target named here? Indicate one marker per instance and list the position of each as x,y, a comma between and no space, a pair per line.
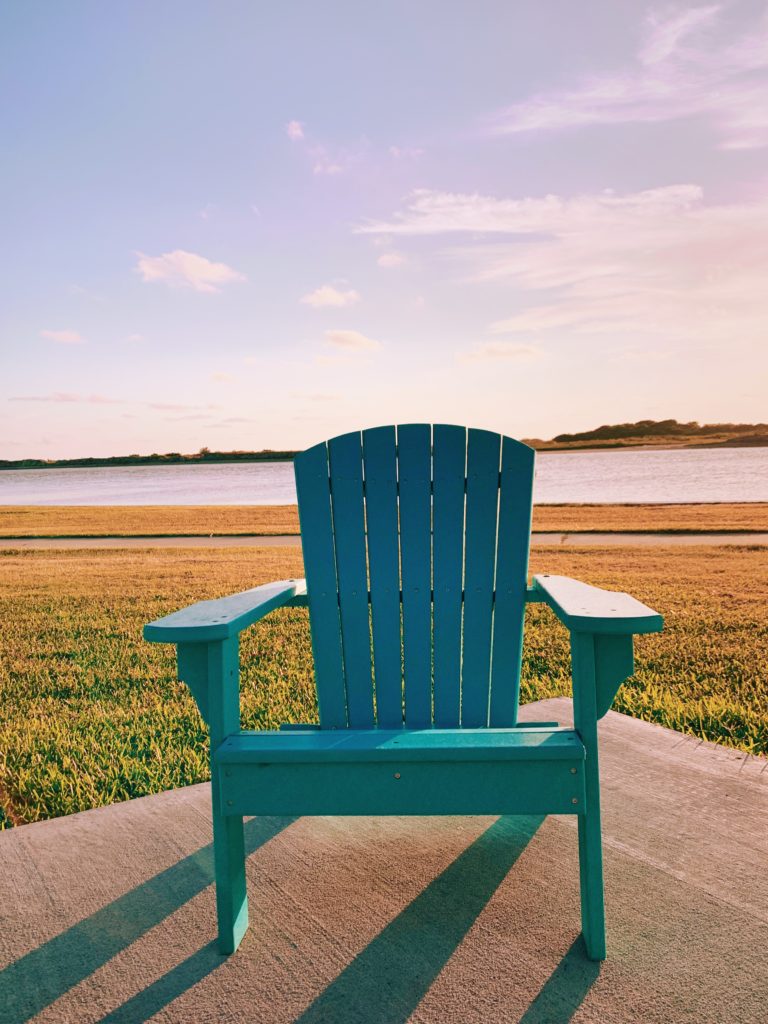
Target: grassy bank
146,520
90,714
219,520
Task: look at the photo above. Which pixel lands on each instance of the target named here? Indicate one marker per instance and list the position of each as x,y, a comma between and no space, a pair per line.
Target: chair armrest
586,609
208,621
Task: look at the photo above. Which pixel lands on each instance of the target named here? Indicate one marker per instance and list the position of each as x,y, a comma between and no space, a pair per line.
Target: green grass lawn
90,714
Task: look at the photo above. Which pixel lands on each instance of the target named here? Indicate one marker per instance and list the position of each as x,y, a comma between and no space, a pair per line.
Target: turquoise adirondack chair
415,542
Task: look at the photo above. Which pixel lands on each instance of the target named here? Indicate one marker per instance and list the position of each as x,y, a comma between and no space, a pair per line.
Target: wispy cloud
429,212
659,263
221,376
229,420
324,158
189,416
405,152
326,162
316,396
193,411
686,66
351,341
664,32
328,295
391,259
86,293
495,351
180,269
71,397
134,339
66,337
68,397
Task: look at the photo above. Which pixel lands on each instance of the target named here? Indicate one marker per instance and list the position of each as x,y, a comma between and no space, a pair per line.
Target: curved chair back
415,543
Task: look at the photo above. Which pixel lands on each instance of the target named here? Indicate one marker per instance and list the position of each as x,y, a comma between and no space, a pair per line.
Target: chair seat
401,771
400,745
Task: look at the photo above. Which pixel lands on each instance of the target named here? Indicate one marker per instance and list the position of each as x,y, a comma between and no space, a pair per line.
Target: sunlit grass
145,520
90,713
651,518
212,520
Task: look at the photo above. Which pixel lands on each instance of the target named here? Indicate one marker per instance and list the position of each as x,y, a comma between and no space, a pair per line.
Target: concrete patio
109,915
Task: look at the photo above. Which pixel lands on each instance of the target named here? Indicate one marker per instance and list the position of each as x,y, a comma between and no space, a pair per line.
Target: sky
243,225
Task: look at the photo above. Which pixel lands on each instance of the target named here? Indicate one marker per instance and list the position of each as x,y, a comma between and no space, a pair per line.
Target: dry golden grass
90,713
207,520
746,517
145,520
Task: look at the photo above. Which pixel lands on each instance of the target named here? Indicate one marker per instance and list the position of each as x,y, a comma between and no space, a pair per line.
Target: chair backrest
415,543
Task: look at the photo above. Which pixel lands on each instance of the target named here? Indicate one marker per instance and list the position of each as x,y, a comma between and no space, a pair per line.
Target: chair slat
449,454
314,497
511,579
345,458
415,474
483,454
380,465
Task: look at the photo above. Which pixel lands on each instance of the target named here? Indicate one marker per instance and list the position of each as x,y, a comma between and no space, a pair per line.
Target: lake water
736,474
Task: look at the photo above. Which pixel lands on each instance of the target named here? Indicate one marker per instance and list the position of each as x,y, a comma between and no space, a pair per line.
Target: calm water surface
737,474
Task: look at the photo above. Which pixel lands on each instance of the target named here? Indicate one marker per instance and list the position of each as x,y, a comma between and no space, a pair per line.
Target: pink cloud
660,264
66,337
67,396
295,131
180,269
685,67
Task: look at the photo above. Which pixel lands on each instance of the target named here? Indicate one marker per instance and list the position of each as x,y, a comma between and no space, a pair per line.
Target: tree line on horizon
607,432
155,459
662,428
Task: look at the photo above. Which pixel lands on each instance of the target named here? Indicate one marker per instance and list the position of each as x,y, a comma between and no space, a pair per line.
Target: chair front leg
229,863
212,672
590,836
591,878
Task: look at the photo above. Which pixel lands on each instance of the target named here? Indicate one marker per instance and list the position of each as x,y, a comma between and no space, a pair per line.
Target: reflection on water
736,474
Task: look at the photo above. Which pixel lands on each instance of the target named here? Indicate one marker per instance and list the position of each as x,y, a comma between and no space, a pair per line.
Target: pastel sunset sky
254,225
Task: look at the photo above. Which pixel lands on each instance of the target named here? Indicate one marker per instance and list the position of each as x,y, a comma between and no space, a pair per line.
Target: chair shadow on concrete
565,989
170,986
40,977
402,961
387,980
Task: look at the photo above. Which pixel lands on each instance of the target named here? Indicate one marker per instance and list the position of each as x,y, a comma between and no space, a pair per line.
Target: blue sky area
249,225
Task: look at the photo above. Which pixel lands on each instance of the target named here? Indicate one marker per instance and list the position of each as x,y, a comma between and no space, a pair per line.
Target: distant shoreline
648,446
224,458
172,459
